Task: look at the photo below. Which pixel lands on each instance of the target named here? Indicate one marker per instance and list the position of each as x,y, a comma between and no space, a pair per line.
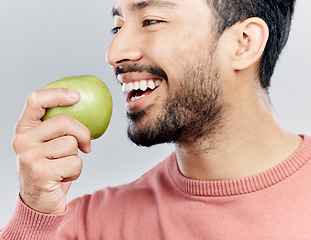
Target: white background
41,41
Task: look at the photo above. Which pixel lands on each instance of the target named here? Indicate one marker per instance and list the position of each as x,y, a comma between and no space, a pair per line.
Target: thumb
39,100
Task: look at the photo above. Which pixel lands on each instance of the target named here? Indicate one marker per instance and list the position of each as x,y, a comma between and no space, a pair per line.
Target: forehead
133,5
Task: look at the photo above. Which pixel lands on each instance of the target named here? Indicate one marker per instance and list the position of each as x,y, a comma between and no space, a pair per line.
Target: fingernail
73,94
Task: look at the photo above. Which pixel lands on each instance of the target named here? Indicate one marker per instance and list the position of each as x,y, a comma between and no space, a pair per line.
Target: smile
139,89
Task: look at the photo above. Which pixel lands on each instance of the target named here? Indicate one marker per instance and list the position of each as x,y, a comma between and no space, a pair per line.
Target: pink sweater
163,204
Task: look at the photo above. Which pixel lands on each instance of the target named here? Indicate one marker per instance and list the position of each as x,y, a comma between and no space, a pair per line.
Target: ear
251,37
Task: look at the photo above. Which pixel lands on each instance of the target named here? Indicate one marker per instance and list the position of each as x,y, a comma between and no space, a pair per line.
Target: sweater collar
222,188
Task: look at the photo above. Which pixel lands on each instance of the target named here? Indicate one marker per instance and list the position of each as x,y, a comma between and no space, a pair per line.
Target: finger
39,100
55,127
60,147
42,171
63,125
66,169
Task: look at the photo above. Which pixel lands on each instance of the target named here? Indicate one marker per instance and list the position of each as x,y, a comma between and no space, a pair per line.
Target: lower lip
138,103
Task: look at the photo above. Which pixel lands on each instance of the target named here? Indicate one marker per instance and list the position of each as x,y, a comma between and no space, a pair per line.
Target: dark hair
276,13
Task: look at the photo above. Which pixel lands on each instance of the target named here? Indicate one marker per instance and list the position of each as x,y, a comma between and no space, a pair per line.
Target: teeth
157,83
130,86
124,87
136,85
151,84
142,85
135,98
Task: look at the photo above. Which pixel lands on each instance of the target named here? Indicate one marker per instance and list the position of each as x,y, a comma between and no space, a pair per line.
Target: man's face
163,53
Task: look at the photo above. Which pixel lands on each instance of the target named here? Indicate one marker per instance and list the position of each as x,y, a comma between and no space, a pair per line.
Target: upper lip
136,77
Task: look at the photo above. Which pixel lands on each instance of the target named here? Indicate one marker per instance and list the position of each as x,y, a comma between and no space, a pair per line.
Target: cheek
158,47
163,52
174,52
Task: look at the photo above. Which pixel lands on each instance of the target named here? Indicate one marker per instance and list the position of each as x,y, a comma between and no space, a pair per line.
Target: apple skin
94,108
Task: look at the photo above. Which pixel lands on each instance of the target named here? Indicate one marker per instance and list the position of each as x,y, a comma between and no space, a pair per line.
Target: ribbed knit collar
246,185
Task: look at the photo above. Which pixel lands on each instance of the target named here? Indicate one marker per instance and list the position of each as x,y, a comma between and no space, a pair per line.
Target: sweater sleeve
26,223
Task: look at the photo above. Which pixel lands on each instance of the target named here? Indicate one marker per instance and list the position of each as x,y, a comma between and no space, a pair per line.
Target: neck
241,146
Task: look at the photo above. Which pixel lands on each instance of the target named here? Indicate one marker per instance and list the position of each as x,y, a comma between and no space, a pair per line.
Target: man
196,74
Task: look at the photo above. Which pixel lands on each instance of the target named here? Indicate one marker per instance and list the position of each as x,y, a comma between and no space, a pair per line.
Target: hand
47,152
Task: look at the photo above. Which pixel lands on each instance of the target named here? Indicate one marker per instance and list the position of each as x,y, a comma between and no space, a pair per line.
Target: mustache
154,70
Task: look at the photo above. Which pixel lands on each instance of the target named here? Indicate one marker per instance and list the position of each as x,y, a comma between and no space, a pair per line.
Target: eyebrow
144,4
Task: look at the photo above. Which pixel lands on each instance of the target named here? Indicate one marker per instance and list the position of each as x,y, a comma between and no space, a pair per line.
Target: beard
191,113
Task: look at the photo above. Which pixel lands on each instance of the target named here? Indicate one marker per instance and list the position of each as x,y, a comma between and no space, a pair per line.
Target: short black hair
276,13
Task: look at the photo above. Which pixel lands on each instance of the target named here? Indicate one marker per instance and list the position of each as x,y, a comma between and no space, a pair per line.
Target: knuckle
76,163
32,171
38,168
17,127
35,169
17,142
71,142
64,120
30,166
21,142
69,124
68,142
77,166
36,172
63,123
24,158
32,98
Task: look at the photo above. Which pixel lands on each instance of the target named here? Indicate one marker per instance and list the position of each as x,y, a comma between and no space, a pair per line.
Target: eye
115,30
149,22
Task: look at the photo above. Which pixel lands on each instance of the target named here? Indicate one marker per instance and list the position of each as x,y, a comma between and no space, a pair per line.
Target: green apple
94,108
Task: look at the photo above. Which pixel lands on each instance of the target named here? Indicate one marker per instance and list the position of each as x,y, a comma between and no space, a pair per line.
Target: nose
123,48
